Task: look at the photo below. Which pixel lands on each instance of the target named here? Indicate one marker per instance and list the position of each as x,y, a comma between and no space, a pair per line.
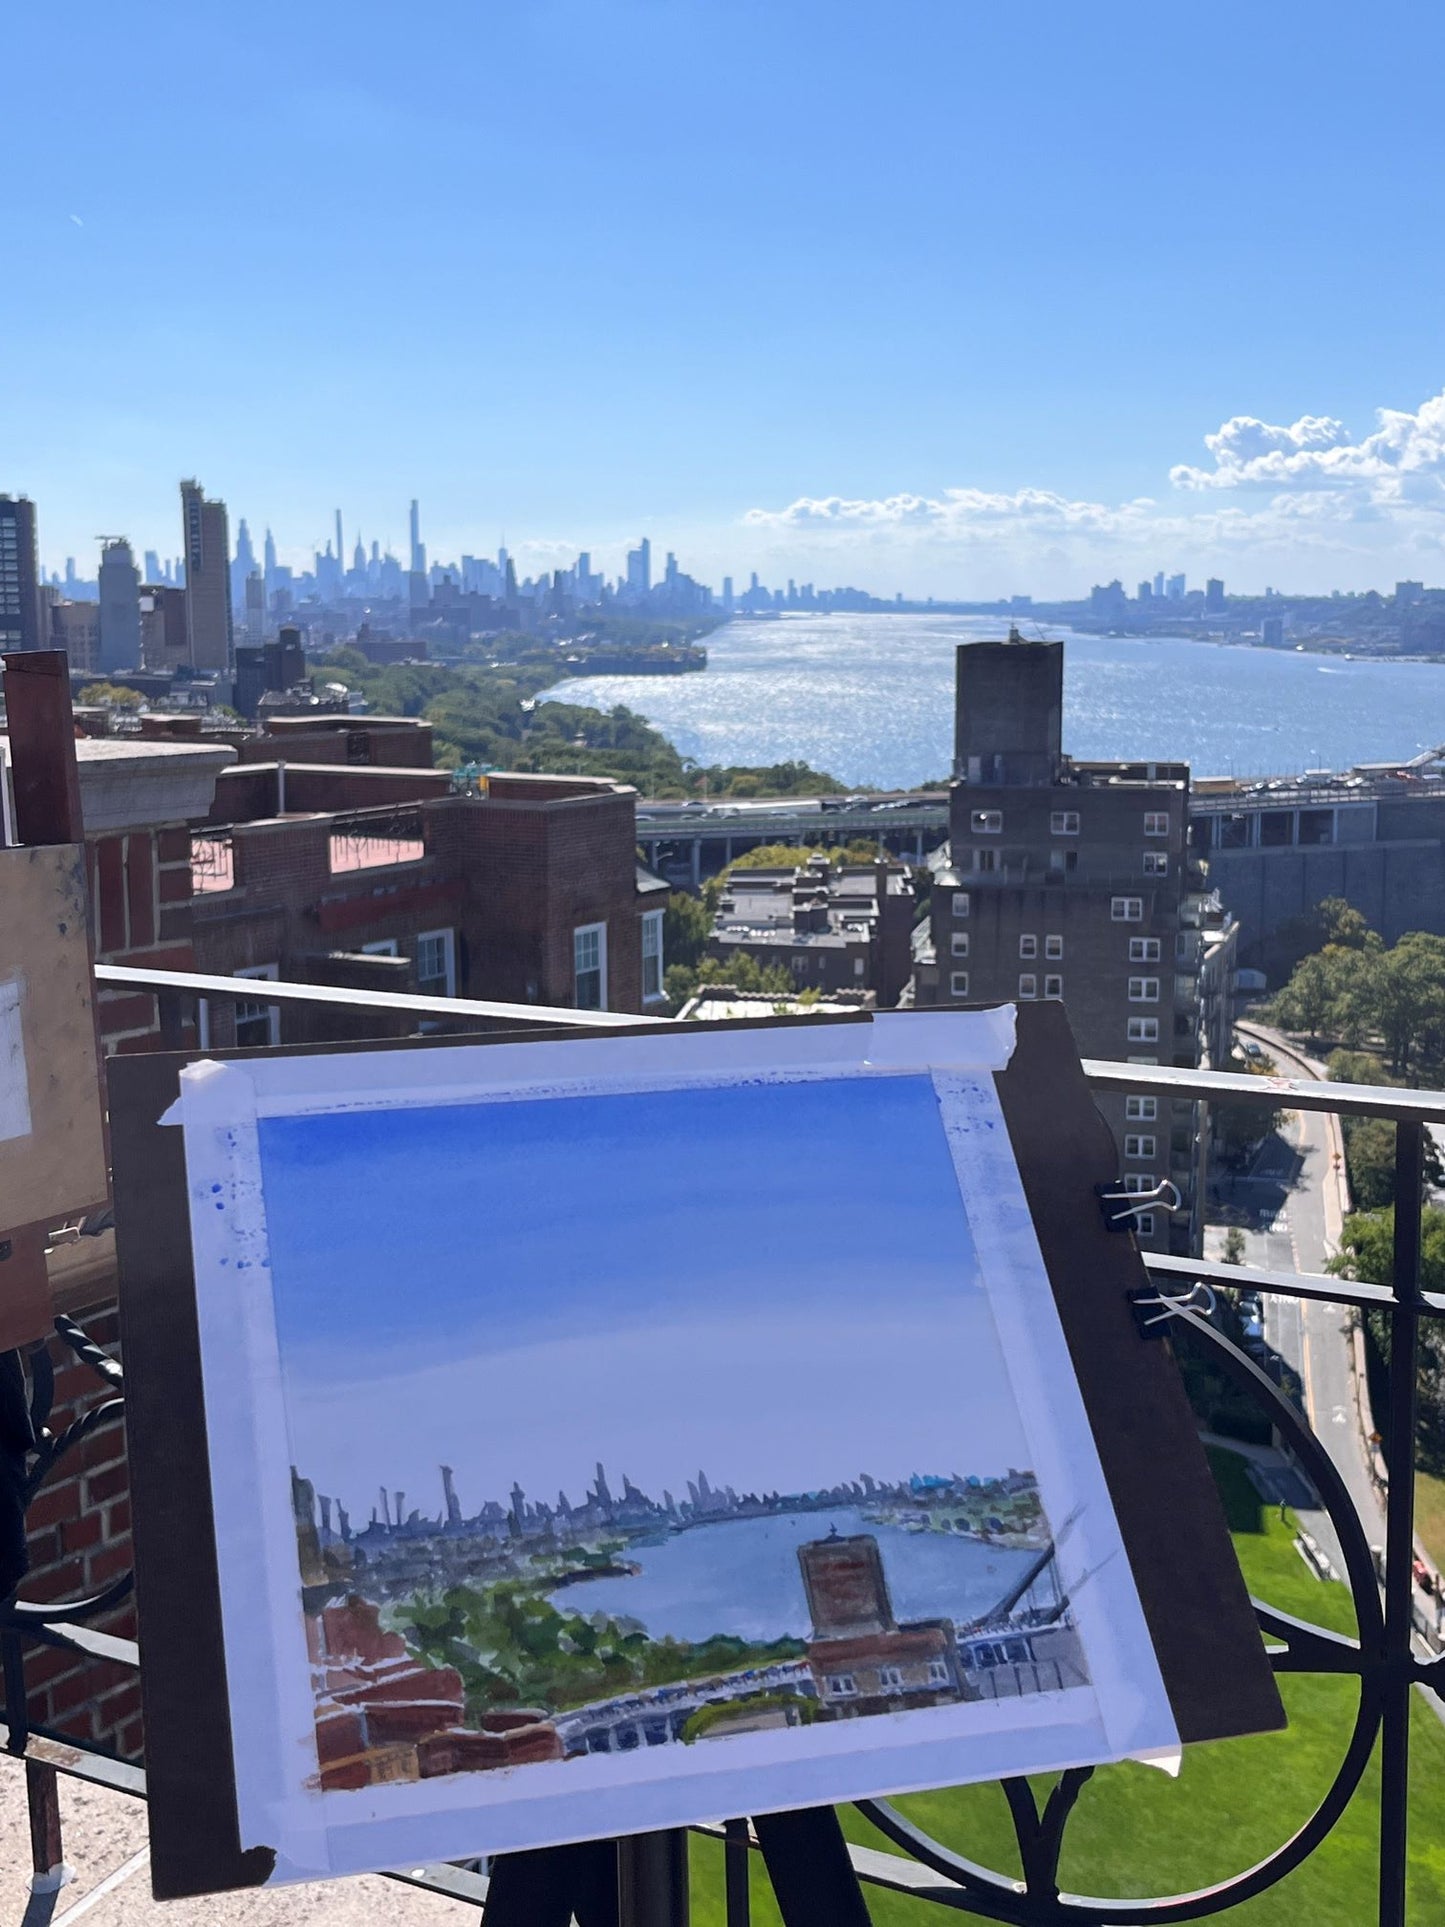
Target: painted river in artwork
741,1576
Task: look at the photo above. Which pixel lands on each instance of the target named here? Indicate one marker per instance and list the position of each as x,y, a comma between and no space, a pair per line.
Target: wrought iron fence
1384,1657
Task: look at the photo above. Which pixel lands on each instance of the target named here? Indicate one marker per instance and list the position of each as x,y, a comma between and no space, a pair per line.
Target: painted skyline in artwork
778,1283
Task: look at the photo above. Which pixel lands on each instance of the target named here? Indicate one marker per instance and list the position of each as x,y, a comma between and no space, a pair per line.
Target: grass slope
1136,1832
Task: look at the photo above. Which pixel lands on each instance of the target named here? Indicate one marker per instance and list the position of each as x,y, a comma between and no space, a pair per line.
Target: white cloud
1403,459
1311,506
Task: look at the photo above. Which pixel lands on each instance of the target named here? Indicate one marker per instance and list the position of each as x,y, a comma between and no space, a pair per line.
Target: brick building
371,875
830,928
1075,881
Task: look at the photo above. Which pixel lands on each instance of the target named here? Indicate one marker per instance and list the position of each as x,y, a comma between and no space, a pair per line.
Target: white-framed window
986,822
1143,950
1141,1110
958,983
890,1679
383,947
938,1672
1143,990
258,1023
985,861
842,1685
1144,1224
1139,1181
1143,1030
1053,986
1064,823
436,963
1028,946
1156,863
960,903
1126,909
1054,948
1028,985
652,968
1156,822
589,966
958,943
1139,1144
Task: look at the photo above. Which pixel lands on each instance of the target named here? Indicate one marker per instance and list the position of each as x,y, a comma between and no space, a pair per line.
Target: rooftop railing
1386,1657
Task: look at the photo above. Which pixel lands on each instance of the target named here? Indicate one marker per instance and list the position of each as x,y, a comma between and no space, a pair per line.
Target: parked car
1251,1049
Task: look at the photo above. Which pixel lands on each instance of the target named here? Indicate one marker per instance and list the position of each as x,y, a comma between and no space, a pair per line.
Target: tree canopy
1355,991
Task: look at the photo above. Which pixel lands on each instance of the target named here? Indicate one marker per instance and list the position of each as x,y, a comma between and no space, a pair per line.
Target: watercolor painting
692,1423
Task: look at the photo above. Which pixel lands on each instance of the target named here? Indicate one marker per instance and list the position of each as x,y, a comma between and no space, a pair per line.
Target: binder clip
1121,1208
1153,1308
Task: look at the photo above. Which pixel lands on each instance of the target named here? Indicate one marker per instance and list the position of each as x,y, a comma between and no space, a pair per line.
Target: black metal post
807,1861
652,1884
1400,1523
737,1904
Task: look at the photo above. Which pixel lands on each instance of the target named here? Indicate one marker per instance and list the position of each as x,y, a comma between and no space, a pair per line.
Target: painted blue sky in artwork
776,1283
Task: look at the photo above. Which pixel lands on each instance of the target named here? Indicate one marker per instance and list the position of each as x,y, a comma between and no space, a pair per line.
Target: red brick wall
140,885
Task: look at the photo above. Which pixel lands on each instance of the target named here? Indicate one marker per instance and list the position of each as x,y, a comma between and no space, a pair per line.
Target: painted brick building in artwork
350,870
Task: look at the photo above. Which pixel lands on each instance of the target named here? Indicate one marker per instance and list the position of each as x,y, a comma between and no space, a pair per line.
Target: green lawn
1136,1832
1430,1515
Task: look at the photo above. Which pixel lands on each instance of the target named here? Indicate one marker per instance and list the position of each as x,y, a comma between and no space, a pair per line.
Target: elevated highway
688,842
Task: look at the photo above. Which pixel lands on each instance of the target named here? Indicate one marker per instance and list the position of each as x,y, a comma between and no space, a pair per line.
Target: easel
641,1880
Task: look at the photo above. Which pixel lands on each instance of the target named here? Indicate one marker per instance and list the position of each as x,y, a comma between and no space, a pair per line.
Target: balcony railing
806,1854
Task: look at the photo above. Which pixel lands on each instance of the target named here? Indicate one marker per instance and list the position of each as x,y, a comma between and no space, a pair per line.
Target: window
1141,1110
1143,950
1028,946
986,822
841,1685
1144,1224
589,966
958,984
383,947
1028,986
1143,1060
1143,990
938,1672
985,861
1143,1030
1139,1145
1053,986
1156,863
959,943
1127,909
258,1023
890,1679
652,987
1064,823
1063,862
436,963
960,903
1053,948
1156,822
1139,1181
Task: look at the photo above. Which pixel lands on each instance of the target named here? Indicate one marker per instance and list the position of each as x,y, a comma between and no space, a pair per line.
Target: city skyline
802,318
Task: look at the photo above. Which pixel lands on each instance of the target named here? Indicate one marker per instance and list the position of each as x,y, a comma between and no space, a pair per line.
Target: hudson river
742,1576
869,698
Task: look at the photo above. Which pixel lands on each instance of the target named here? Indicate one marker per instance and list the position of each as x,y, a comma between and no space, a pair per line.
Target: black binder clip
1153,1308
1121,1208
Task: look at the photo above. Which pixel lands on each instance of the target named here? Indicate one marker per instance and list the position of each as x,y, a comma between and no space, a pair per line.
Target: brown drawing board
1194,1601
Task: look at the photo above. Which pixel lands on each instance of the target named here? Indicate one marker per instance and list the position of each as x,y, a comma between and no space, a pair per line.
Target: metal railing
1382,1658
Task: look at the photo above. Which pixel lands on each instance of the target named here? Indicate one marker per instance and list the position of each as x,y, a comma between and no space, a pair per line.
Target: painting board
946,1117
52,1146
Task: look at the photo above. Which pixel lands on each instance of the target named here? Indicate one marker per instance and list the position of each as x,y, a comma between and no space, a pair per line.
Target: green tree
686,927
1367,1252
1233,1253
110,695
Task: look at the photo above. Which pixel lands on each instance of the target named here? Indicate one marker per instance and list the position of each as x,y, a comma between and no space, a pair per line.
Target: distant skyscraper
254,603
418,547
243,565
119,607
153,567
639,568
208,579
340,545
1214,596
1174,588
269,552
20,607
1159,583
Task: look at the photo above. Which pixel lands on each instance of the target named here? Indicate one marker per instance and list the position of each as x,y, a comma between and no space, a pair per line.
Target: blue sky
934,295
776,1284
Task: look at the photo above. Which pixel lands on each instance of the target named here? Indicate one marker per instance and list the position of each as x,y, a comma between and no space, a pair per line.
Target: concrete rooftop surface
105,1845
